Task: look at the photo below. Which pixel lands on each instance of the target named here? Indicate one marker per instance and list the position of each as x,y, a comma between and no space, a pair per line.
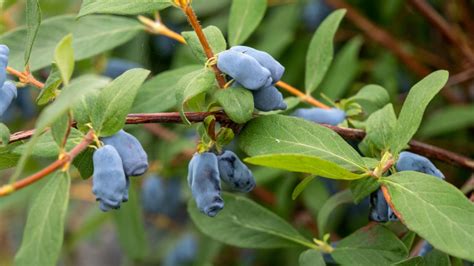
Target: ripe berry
7,93
408,161
268,99
333,116
234,172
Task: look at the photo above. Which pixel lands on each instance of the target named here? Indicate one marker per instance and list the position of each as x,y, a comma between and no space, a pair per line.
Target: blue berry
333,116
378,207
203,179
408,161
161,196
425,248
265,60
244,69
116,67
183,253
4,52
268,99
134,157
109,183
235,173
7,93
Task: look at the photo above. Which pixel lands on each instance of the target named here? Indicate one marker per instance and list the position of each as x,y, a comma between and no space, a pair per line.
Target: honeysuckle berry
8,93
109,183
265,60
378,207
160,196
204,181
4,52
234,172
134,157
333,116
269,99
244,69
408,161
425,248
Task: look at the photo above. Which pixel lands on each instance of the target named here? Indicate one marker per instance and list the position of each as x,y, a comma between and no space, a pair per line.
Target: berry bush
236,132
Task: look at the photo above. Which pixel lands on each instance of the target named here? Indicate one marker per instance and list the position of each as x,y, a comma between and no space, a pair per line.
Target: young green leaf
414,107
130,227
245,16
379,128
4,135
44,230
159,93
435,210
301,186
311,257
304,164
246,224
371,245
64,58
321,49
324,215
371,98
343,70
277,134
237,103
215,38
33,21
50,89
115,101
122,7
192,85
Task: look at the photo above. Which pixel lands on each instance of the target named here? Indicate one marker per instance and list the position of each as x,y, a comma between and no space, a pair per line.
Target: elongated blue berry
184,253
265,60
408,161
244,69
333,116
7,93
134,157
109,183
4,52
116,67
234,172
425,248
378,207
204,181
269,99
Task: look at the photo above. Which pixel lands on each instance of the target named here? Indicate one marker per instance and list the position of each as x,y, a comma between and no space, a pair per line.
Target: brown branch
25,77
449,32
421,148
67,158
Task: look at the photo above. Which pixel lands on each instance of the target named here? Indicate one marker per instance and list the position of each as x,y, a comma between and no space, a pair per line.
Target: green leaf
315,195
130,227
301,186
246,224
92,35
372,245
311,257
83,162
59,129
362,188
303,164
115,101
321,49
324,215
33,21
214,37
44,230
408,239
122,7
379,128
237,103
277,134
415,261
343,71
435,210
159,93
192,85
8,159
50,90
64,58
449,119
4,135
437,258
371,98
414,107
245,16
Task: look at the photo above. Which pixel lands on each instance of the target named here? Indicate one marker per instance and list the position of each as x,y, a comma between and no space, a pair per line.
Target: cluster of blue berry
122,156
205,172
256,71
380,211
8,91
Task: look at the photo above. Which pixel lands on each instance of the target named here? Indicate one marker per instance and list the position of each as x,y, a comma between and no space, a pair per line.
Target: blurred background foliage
137,236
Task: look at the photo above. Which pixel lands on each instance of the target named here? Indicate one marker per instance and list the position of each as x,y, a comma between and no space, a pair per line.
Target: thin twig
303,97
421,148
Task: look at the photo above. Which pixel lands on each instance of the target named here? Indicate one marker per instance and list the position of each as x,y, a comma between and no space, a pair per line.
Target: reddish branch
450,33
427,150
